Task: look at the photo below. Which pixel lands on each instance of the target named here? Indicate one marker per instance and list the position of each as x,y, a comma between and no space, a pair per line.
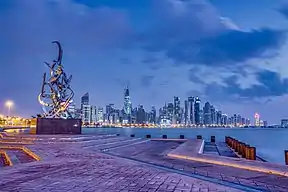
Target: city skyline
173,112
223,52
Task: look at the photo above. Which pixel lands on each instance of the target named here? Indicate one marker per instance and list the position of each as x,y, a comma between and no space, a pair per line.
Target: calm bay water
270,143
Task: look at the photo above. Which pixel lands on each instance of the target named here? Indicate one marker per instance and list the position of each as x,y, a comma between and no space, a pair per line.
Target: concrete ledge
168,140
189,151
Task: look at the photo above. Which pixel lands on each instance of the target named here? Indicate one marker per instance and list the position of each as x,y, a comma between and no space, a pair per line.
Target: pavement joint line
203,178
112,148
86,147
239,166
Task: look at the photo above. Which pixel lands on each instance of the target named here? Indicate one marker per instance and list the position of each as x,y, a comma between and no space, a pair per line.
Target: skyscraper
127,105
257,120
177,110
186,114
93,115
100,115
207,113
197,110
85,109
85,99
191,111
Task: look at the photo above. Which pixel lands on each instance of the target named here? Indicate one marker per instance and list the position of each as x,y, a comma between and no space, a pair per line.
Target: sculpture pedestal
58,126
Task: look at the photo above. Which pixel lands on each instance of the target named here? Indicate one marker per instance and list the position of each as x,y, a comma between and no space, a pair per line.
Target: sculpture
56,93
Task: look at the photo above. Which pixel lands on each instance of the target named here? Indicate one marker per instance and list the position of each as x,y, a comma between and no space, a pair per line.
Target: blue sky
231,53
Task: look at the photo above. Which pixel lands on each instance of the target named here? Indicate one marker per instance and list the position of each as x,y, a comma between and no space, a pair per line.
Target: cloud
284,10
146,81
270,84
192,32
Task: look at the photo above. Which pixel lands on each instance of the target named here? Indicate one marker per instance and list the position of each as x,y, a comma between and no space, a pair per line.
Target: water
270,143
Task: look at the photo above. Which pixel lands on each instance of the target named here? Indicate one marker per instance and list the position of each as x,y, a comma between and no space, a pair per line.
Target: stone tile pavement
66,166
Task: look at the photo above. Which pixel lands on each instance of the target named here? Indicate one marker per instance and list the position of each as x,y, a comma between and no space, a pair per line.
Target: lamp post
9,104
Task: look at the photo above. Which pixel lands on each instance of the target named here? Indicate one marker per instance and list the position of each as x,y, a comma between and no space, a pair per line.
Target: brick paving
76,163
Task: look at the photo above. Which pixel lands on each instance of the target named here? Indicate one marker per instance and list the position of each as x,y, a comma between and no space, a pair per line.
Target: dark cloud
270,85
146,80
193,32
284,10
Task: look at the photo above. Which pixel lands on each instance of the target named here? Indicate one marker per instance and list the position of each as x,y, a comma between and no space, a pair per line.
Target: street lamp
9,104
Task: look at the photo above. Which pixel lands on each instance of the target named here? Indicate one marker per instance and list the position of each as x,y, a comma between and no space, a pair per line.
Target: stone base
58,126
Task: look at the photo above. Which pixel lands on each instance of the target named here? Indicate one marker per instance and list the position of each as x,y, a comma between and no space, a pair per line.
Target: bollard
213,139
247,152
132,135
199,137
182,137
164,136
118,134
148,136
244,146
286,157
241,150
237,146
252,153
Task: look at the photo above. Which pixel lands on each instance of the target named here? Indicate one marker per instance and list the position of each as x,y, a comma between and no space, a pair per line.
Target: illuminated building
177,110
86,112
197,110
100,115
127,105
191,111
93,115
72,110
257,119
207,113
284,123
219,118
213,114
186,115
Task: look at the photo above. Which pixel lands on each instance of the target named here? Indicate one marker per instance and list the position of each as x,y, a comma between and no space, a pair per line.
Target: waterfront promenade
117,163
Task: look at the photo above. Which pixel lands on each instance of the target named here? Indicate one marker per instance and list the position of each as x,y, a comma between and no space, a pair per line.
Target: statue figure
56,93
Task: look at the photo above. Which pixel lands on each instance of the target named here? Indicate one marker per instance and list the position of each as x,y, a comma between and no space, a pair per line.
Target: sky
230,53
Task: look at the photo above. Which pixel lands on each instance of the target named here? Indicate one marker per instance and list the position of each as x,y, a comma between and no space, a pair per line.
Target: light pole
9,104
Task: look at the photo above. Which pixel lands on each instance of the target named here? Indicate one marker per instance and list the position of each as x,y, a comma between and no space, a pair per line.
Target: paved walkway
78,163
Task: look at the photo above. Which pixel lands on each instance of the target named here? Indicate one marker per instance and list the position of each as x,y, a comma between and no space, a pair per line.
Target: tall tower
127,105
197,110
177,110
191,111
207,114
257,120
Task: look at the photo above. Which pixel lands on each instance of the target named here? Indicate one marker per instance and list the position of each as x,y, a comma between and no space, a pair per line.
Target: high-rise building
219,118
127,105
109,112
177,110
239,120
100,115
141,115
207,113
191,111
169,111
225,119
153,115
197,110
213,114
186,114
284,123
85,99
86,114
257,120
93,115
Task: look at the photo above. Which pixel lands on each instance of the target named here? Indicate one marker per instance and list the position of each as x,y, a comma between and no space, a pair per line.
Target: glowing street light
9,104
